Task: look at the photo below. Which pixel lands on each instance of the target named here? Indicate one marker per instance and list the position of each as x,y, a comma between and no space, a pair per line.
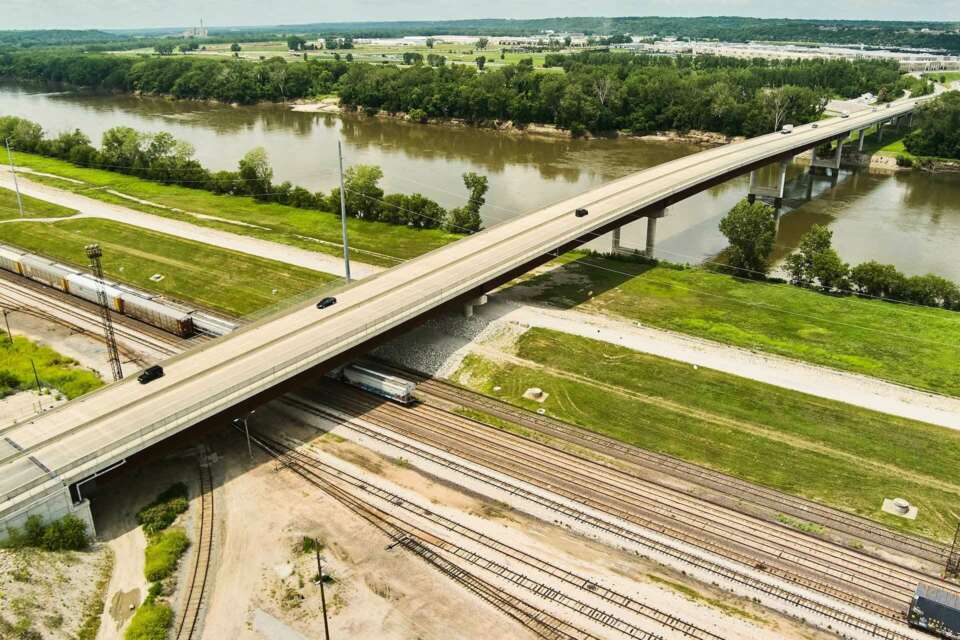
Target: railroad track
434,551
50,304
608,595
589,484
733,487
187,622
641,537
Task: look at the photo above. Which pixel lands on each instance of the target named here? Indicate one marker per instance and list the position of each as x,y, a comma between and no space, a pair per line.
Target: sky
119,14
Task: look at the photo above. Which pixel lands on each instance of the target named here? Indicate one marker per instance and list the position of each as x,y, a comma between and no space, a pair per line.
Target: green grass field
32,208
950,76
840,455
370,242
916,346
220,279
56,371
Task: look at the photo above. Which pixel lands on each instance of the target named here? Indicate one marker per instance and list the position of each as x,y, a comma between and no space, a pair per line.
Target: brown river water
909,219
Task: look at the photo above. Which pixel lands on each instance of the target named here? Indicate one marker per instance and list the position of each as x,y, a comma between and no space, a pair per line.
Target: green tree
256,173
295,43
750,229
235,47
363,193
430,43
482,43
812,259
875,279
938,128
481,62
567,41
466,219
830,271
163,48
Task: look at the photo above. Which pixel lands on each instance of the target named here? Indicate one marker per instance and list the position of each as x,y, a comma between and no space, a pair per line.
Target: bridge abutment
50,507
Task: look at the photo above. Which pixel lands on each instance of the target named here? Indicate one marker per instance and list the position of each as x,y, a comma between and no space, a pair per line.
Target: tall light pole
246,430
94,253
343,216
323,596
13,170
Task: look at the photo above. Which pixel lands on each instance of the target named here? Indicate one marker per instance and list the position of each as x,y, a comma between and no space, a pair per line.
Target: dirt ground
115,503
375,593
50,593
264,585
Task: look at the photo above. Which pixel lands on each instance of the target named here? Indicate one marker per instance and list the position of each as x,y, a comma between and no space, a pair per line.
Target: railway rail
37,300
641,537
438,552
187,623
727,485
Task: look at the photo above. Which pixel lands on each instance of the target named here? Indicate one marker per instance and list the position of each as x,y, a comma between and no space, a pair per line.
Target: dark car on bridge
150,374
580,213
326,302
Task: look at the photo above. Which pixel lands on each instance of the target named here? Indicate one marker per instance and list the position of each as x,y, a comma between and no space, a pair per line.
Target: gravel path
90,208
441,345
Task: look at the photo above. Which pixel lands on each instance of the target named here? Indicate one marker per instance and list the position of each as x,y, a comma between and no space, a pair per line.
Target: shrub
163,552
150,622
160,514
69,533
904,161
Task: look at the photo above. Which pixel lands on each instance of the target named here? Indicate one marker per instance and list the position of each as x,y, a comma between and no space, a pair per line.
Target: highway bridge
44,459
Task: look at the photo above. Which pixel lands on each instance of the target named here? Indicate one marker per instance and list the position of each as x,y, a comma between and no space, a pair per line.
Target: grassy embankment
227,281
54,370
840,455
916,346
371,242
32,208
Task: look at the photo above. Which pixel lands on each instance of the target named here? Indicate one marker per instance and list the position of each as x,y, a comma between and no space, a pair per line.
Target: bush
163,552
69,533
904,161
150,622
160,514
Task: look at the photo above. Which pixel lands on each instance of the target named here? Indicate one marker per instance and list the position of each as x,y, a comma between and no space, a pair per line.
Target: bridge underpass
42,458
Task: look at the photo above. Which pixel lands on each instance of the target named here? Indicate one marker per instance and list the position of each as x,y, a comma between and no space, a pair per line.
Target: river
910,219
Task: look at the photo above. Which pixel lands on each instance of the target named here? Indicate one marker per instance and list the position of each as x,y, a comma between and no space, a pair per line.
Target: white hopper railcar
84,286
391,387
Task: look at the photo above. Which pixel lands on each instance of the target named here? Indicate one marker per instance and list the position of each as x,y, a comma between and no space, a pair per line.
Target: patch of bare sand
376,593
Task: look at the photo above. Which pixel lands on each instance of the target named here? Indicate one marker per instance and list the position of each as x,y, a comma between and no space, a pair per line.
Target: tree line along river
909,219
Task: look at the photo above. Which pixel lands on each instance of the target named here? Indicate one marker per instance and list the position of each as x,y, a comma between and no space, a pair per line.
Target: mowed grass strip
916,346
32,208
220,279
307,229
843,456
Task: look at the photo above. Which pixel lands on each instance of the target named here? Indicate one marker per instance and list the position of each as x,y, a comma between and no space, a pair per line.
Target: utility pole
953,560
13,170
6,320
36,376
343,216
95,253
323,597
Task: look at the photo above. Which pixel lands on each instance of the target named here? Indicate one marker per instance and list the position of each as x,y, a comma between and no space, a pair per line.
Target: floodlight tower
95,253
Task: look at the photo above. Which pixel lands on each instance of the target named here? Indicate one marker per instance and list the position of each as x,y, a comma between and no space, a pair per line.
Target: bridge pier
476,302
861,137
880,131
775,191
828,163
651,239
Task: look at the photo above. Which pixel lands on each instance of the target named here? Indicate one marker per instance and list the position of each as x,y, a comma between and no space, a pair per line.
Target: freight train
937,611
174,318
391,387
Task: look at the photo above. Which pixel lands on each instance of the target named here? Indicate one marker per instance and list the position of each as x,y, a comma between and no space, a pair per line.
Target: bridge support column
860,141
828,163
615,241
652,232
476,302
775,191
880,132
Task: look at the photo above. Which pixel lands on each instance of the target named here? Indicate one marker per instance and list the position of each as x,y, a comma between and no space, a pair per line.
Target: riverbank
332,106
913,346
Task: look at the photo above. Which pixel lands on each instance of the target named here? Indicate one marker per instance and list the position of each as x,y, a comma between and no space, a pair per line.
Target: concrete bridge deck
41,458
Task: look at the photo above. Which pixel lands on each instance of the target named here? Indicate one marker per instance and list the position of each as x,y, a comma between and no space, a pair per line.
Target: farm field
840,455
915,346
233,283
372,242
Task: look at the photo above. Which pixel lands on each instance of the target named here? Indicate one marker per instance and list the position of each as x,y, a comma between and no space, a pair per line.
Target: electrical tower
953,560
95,253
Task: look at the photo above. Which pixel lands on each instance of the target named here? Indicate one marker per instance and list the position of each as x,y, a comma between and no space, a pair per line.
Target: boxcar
396,389
936,610
10,259
46,272
164,315
84,286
